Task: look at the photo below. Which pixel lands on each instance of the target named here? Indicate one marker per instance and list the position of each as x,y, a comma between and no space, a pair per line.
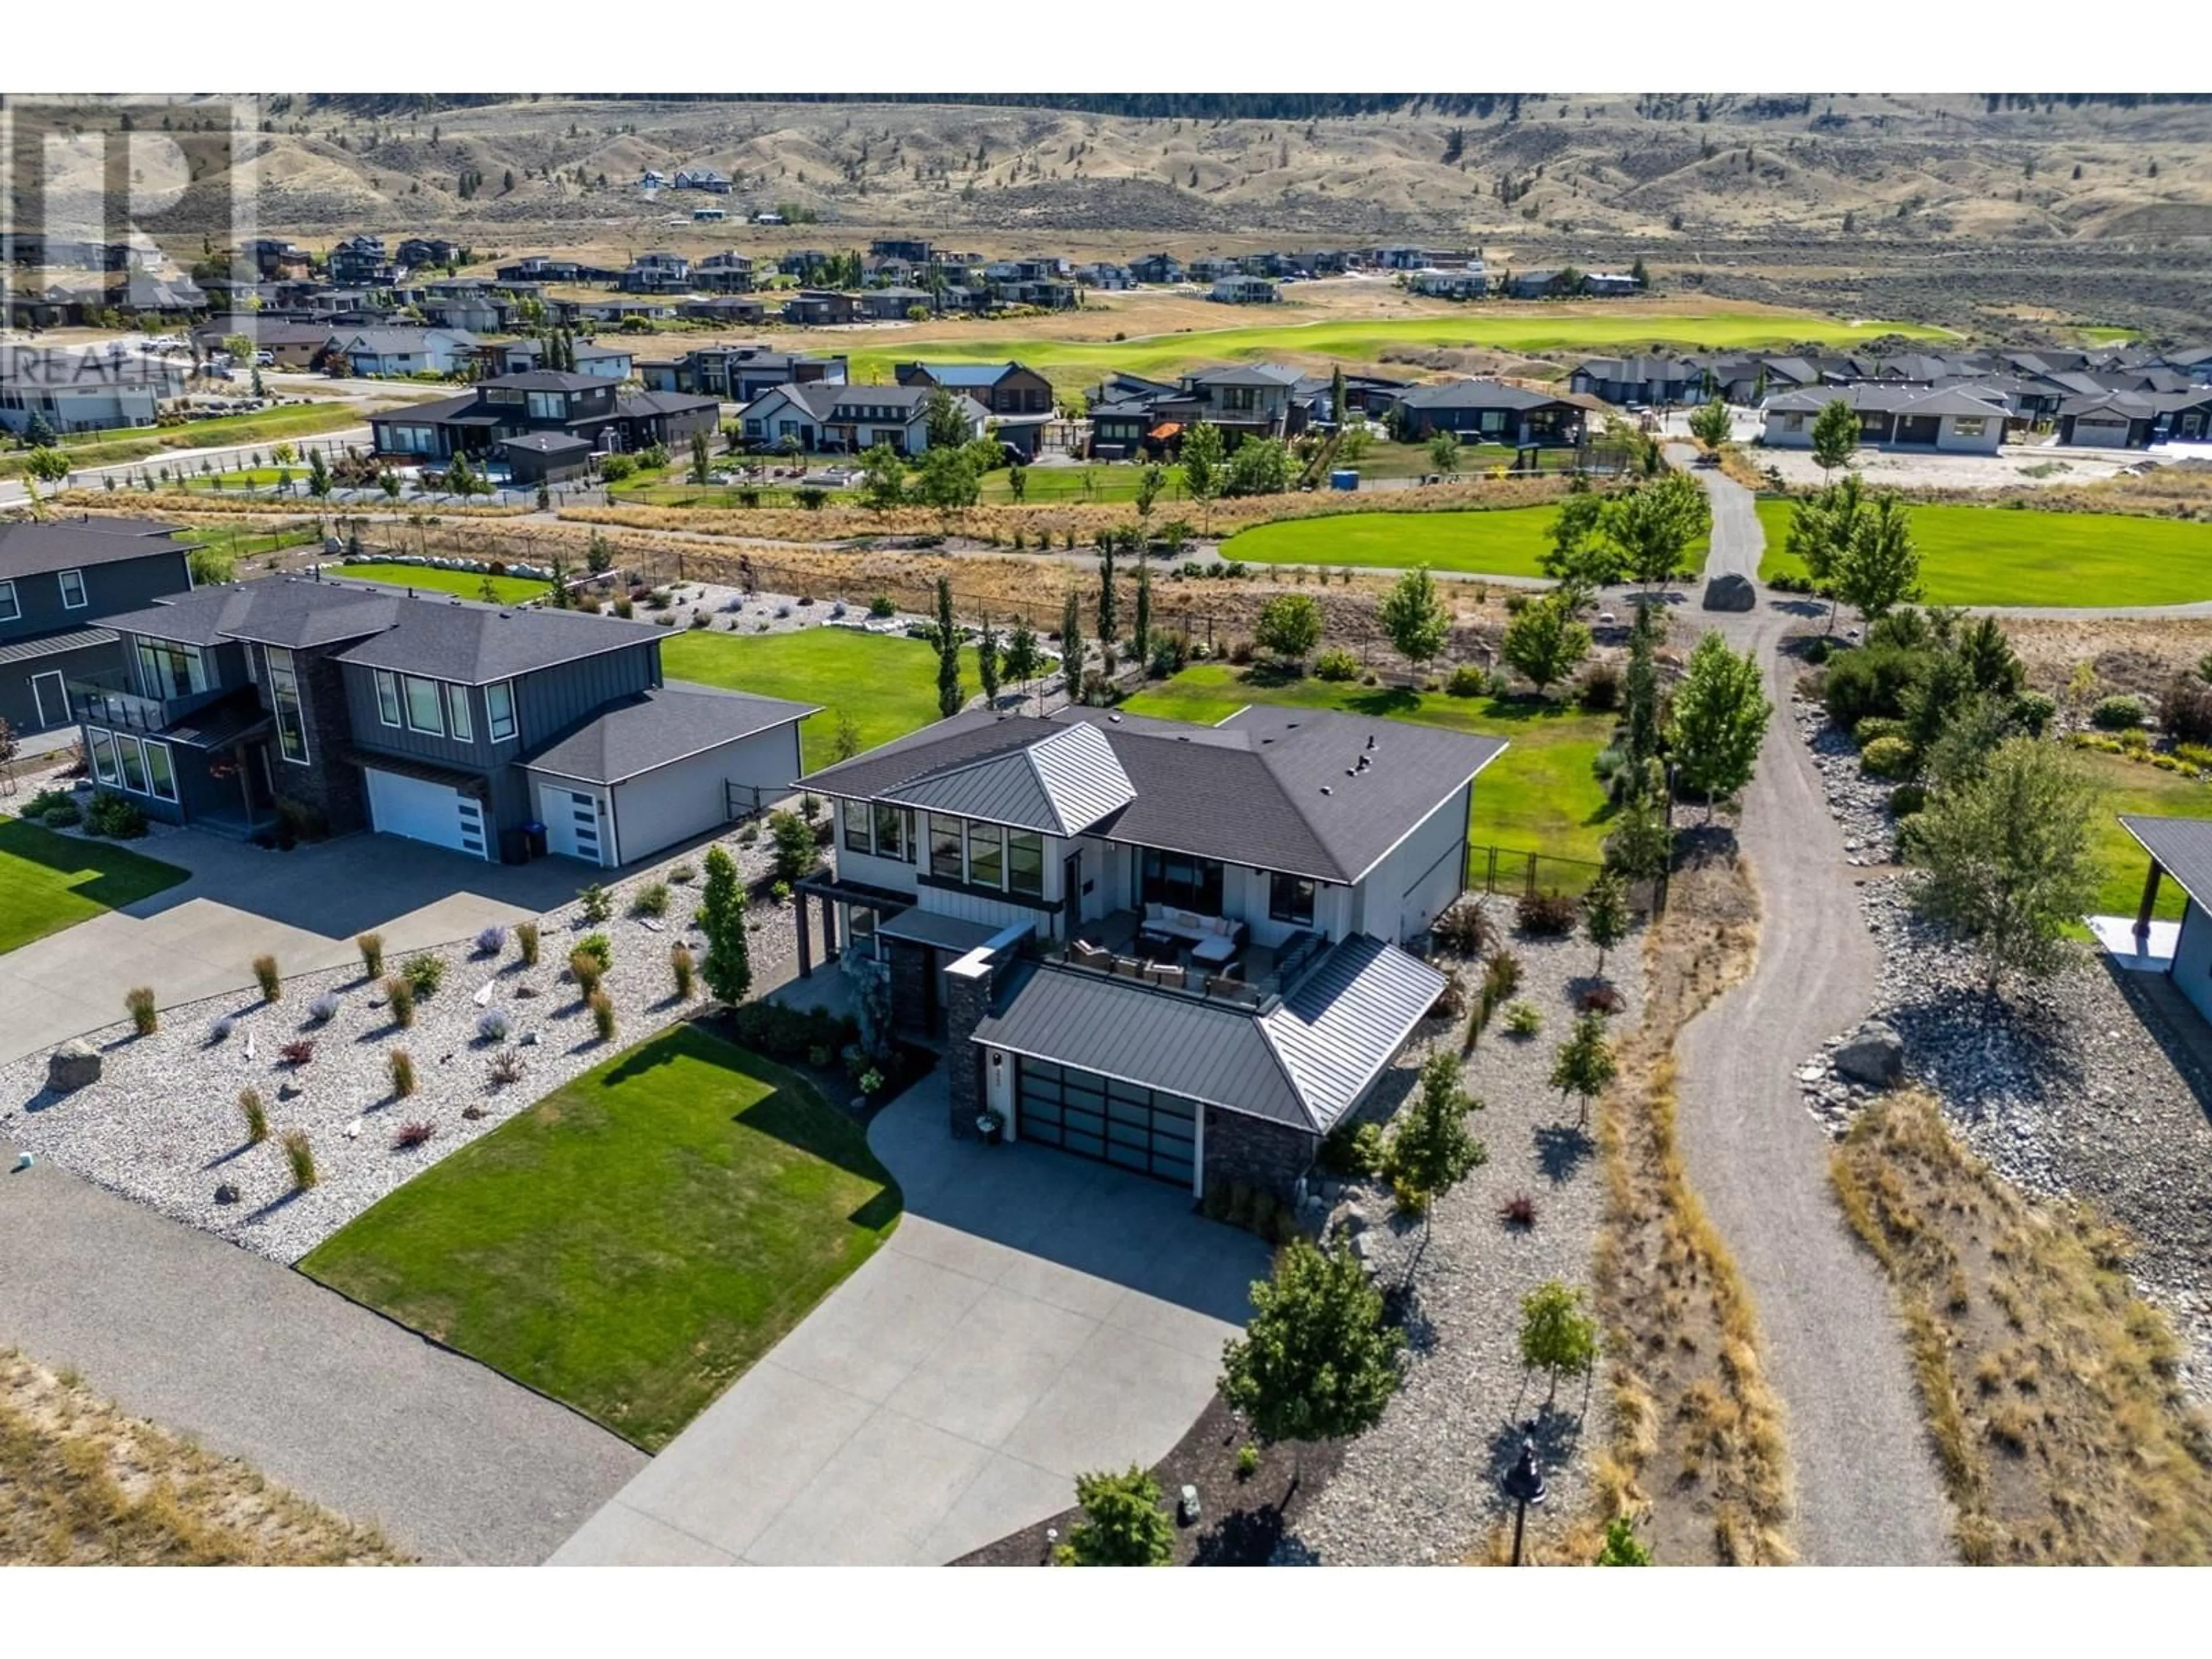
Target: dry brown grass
2127,655
2049,1386
82,1485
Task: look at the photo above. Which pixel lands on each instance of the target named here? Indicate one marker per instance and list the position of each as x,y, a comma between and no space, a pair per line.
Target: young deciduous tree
1443,450
1605,914
1123,1524
1317,1361
1150,482
1584,1063
1018,663
1414,617
1288,627
1432,1151
1579,557
883,477
1879,569
1545,642
1652,526
1835,435
1201,463
1721,711
728,969
1709,424
1622,1548
1641,842
845,739
2008,857
987,659
1556,1335
702,466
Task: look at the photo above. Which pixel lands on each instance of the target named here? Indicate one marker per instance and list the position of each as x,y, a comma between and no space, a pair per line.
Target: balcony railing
106,699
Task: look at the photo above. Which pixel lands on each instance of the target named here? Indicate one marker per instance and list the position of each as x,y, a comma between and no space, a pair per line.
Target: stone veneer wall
967,1005
329,785
1256,1150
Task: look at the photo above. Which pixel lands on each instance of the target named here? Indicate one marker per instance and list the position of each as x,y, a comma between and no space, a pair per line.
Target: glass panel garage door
1122,1123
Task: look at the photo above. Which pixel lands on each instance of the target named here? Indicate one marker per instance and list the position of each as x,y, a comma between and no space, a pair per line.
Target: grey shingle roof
658,728
1475,394
287,611
2182,845
27,550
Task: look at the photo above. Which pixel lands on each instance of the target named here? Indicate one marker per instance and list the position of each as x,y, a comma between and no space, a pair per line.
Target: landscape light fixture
1524,1485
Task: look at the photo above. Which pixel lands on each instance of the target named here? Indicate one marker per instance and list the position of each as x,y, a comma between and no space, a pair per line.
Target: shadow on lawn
122,876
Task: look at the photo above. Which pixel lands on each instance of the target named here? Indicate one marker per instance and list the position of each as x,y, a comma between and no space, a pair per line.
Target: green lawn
2002,556
1539,796
635,1241
887,682
1073,364
2126,786
469,584
1505,541
140,443
50,882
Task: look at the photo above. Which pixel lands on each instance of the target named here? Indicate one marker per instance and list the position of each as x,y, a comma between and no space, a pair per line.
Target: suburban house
1105,276
361,262
1176,948
705,179
56,581
1470,283
84,391
658,273
418,253
823,416
1659,381
1244,291
1486,411
588,407
272,257
2137,419
289,345
1157,268
2181,848
723,311
519,356
816,306
1020,399
725,272
915,251
1893,417
739,373
893,304
1131,414
406,350
343,706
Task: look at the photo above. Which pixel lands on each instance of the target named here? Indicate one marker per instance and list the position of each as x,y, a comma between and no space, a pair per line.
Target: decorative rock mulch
163,1125
1422,1486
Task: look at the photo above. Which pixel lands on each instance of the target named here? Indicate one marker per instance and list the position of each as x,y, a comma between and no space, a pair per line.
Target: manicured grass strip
49,882
636,1240
2126,786
887,682
1505,542
141,443
469,584
2005,556
1539,796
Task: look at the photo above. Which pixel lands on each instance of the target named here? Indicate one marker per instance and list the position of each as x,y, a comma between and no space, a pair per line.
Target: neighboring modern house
815,308
893,304
520,356
77,389
398,352
1488,412
358,705
1019,399
723,311
361,262
724,273
1893,417
1130,415
1176,948
419,252
705,179
740,373
586,406
57,580
1470,283
1157,268
1657,380
1244,291
658,273
2181,848
823,416
2137,419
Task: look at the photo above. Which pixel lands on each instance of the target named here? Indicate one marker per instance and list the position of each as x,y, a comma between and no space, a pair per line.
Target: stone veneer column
967,1001
1256,1150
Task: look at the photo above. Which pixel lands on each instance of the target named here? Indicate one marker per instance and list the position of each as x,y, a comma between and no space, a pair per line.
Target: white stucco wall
1419,876
2192,959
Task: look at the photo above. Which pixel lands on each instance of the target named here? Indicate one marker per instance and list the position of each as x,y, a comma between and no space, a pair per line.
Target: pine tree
1108,541
1140,630
987,659
1071,644
728,968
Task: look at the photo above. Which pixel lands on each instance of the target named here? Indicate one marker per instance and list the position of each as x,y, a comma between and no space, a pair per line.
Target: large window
133,760
1289,898
944,839
169,669
457,707
387,696
855,815
1182,882
72,590
499,709
1026,863
893,832
160,771
10,606
284,702
987,854
103,757
422,710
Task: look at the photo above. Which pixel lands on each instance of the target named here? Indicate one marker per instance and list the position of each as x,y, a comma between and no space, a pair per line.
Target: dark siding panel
109,590
371,732
553,701
20,709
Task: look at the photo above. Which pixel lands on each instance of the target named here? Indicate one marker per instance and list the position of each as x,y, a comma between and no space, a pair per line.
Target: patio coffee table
1155,947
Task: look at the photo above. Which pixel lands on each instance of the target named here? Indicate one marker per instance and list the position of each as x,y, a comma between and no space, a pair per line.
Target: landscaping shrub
1817,649
1518,1210
787,1034
45,802
685,872
1351,1152
371,946
682,969
2035,710
116,816
597,905
424,974
1887,757
1907,799
1465,929
324,1009
411,1135
1600,1000
526,943
1872,680
144,1017
794,840
1247,1461
491,940
1600,691
1523,1019
220,1030
2184,709
401,1064
651,900
493,1025
299,1156
1467,681
298,1052
586,970
1545,916
881,606
2117,714
1336,664
256,1113
399,998
599,948
60,812
266,976
506,1066
1874,726
603,1015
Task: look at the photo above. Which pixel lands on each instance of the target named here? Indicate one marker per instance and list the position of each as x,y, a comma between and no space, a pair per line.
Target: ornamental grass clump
145,1018
682,969
299,1157
255,1111
399,999
586,970
371,946
401,1064
603,1015
526,943
265,976
424,974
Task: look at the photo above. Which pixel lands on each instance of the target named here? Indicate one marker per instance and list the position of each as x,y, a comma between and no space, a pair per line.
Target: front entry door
1071,889
52,694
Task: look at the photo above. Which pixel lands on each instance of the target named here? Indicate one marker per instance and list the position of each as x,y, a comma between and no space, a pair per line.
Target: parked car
264,360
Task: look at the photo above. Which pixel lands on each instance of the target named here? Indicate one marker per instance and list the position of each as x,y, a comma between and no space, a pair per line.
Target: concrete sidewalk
454,1462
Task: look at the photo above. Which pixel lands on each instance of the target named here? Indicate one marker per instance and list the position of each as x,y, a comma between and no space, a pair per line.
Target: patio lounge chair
1129,967
1170,977
1084,954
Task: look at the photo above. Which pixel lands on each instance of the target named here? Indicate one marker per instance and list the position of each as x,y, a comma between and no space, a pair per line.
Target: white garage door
426,811
2103,434
575,825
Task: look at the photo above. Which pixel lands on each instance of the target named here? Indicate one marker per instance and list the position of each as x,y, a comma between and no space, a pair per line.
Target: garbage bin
514,846
536,833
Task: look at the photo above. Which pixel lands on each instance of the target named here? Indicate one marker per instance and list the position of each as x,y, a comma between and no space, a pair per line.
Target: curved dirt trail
1867,1488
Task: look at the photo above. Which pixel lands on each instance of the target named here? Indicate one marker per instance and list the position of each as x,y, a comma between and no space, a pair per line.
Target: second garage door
1138,1128
422,810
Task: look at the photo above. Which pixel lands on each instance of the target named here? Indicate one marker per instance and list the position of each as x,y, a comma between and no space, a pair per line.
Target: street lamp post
1524,1485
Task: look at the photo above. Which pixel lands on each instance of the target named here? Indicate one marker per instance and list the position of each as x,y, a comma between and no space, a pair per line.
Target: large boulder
1729,592
72,1066
1873,1055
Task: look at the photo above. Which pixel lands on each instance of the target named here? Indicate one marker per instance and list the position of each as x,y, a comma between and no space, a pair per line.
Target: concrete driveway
199,937
1033,1316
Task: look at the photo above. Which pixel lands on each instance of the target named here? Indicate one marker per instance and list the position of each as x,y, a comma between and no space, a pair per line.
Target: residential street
1867,1488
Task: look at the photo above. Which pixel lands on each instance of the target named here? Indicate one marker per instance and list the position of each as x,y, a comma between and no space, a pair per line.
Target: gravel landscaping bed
163,1125
1422,1486
2070,1087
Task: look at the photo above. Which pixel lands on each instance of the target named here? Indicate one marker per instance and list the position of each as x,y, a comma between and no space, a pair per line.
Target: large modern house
1177,948
345,706
590,408
820,415
57,583
1488,412
1957,418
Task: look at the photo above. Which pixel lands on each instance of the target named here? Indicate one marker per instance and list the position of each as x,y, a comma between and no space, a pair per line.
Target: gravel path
1422,1486
1867,1486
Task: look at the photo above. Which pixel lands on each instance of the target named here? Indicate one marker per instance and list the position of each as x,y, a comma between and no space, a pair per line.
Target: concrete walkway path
1033,1316
1867,1486
454,1462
